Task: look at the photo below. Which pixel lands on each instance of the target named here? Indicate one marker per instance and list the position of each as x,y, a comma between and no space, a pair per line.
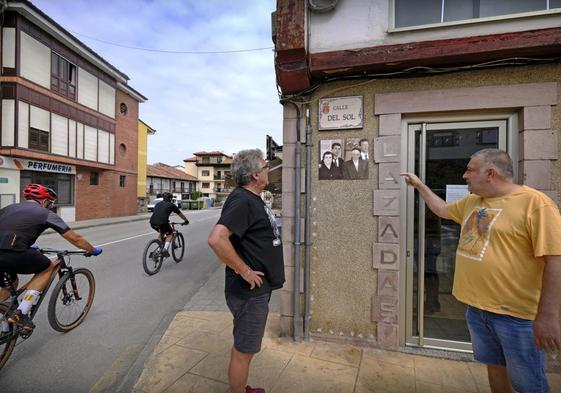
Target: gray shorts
250,318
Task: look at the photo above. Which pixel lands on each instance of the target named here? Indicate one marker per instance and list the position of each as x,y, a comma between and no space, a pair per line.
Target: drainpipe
297,319
307,227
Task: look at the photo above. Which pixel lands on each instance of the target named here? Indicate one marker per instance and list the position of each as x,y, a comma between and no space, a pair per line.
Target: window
94,178
173,187
122,180
123,108
62,184
422,12
487,136
205,173
63,76
38,139
206,160
444,139
206,185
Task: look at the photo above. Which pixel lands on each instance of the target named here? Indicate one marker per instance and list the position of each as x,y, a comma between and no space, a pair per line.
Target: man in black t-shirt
159,220
20,226
247,240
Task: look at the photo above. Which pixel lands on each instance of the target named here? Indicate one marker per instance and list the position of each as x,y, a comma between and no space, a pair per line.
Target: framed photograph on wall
330,159
355,166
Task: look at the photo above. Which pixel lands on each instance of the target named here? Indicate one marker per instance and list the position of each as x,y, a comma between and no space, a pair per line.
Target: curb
109,221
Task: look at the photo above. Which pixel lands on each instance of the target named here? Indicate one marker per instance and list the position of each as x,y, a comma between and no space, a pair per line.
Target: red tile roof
191,159
210,153
168,172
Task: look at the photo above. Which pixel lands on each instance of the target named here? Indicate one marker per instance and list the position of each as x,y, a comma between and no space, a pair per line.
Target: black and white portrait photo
355,166
331,160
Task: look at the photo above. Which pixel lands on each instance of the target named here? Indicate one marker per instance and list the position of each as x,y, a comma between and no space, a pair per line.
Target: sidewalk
193,355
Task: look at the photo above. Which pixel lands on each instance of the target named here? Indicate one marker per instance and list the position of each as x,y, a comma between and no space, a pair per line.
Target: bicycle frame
59,268
162,236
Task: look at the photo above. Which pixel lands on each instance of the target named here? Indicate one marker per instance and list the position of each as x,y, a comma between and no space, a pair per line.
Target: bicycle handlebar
61,252
177,223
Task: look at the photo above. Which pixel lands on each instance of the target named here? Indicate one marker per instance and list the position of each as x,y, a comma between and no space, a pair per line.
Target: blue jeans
508,341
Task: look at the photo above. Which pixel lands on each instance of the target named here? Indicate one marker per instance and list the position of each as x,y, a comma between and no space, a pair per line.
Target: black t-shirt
257,241
162,211
22,223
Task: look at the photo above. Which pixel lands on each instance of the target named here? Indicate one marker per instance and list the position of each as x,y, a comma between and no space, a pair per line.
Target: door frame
508,141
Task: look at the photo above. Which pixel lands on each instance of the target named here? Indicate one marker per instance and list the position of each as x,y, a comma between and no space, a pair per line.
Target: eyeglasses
265,167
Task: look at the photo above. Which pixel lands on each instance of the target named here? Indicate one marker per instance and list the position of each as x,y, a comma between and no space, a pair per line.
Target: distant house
212,170
164,178
143,131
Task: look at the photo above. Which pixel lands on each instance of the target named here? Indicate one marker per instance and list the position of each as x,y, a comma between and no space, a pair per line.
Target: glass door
438,153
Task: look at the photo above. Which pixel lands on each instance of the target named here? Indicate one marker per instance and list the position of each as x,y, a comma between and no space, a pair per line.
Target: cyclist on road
20,226
159,220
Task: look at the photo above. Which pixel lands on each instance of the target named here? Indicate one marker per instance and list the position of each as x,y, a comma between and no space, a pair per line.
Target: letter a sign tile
388,283
388,229
389,175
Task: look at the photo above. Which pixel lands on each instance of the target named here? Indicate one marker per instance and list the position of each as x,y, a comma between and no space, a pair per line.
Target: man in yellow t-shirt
508,270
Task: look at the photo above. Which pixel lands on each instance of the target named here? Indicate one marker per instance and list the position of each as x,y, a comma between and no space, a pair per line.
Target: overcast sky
196,102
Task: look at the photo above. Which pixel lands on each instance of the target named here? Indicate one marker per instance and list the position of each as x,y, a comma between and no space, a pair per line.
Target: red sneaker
249,389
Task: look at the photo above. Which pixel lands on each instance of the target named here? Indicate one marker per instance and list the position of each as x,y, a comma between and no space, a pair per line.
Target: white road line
127,238
144,234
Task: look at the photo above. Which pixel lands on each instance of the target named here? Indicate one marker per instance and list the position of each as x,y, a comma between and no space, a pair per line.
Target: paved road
130,312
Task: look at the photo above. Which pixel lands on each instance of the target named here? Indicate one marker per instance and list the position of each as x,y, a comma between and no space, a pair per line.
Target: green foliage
196,195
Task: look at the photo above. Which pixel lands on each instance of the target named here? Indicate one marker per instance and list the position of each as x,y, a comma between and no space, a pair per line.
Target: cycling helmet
38,191
167,196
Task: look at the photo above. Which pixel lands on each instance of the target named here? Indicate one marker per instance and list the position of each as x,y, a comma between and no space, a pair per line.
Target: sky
196,102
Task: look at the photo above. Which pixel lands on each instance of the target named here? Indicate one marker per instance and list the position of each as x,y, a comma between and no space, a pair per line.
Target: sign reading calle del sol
338,113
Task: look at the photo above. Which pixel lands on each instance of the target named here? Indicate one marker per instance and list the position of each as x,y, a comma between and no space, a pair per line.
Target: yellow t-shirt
499,260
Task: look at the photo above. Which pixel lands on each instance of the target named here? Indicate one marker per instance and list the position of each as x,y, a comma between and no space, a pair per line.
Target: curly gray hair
245,163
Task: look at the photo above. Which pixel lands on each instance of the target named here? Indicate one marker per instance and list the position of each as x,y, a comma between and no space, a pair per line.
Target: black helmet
167,196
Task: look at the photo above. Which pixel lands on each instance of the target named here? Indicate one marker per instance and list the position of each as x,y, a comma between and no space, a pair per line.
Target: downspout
307,227
297,319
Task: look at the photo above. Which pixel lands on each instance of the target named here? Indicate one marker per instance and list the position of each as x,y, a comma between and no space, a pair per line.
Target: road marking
125,239
144,234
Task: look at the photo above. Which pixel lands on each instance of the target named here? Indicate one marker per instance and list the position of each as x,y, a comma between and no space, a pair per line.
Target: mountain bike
153,256
69,303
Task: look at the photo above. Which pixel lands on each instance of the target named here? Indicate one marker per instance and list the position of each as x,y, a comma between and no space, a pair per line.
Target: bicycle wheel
178,247
152,258
7,339
71,300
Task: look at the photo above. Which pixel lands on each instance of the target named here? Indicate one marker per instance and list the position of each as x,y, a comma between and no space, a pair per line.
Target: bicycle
153,257
73,296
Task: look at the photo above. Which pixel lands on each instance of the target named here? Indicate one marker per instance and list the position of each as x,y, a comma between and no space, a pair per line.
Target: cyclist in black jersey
20,226
159,220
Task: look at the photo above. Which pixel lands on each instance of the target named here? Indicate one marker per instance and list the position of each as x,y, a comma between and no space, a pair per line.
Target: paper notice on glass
455,192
